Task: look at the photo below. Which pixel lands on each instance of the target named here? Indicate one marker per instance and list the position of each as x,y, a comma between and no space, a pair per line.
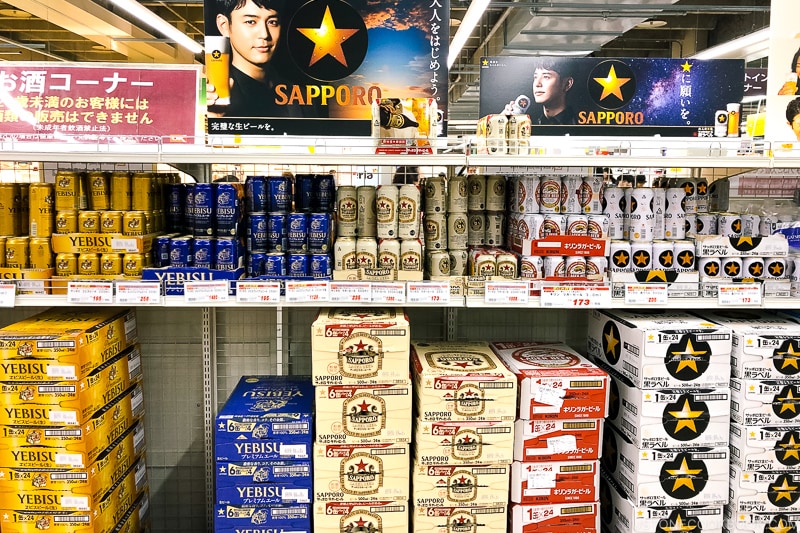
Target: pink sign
121,103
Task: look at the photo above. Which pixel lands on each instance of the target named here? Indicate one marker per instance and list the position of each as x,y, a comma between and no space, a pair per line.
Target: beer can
10,209
279,194
346,211
227,208
435,231
527,196
408,212
457,195
663,255
507,265
767,225
690,225
706,224
775,267
274,263
203,252
181,251
626,215
319,266
188,218
729,225
326,193
476,192
476,229
571,194
591,194
297,265
531,266
3,251
674,214
709,267
367,219
344,254
121,193
731,267
161,251
548,194
575,266
389,254
720,123
410,255
134,223
484,264
68,190
227,254
39,252
596,265
111,221
495,193
642,221
614,207
41,213
297,234
66,264
277,232
142,195
751,225
386,200
753,267
88,264
554,266
110,264
438,263
89,221
493,234
530,226
255,264
689,187
255,194
366,252
519,134
553,225
204,209
319,232
23,218
577,225
794,272
257,232
459,260
99,190
435,195
304,193
659,208
597,226
619,256
701,189
66,221
132,265
684,255
457,231
641,256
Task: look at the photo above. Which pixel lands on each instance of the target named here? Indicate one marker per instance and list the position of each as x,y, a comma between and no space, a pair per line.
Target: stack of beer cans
665,444
465,400
359,361
262,445
446,225
563,399
486,213
72,445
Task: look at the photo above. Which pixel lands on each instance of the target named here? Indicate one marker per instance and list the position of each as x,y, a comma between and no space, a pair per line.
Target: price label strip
740,294
92,292
306,291
646,294
138,293
576,297
258,292
205,292
350,292
506,292
429,292
389,292
8,294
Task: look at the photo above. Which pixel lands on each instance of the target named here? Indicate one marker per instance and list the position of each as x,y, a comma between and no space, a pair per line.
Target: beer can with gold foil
68,190
142,195
438,263
132,265
42,215
457,194
89,221
10,209
40,253
457,233
386,208
66,264
495,193
389,254
495,222
134,223
66,221
435,195
99,191
17,252
366,252
88,264
476,192
111,264
458,262
408,212
25,208
121,191
507,265
435,229
476,230
111,221
344,254
346,211
367,220
411,255
3,252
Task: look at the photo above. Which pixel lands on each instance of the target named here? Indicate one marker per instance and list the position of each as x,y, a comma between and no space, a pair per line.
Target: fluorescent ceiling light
749,47
140,12
468,23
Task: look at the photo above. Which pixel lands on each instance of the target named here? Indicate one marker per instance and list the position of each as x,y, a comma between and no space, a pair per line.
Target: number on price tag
92,292
258,291
138,293
8,294
739,294
205,292
306,291
429,292
578,296
646,294
389,293
350,292
506,292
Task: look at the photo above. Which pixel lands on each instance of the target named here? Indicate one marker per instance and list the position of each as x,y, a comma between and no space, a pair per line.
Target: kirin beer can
575,266
553,225
530,227
596,265
597,226
577,225
554,266
531,266
527,196
591,194
571,194
548,194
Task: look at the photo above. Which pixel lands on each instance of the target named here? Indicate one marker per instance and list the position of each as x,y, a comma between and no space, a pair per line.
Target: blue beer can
181,252
319,232
277,232
203,210
227,254
176,202
275,264
204,252
228,208
188,218
304,193
255,194
257,232
256,262
279,193
297,236
326,193
298,265
161,251
320,265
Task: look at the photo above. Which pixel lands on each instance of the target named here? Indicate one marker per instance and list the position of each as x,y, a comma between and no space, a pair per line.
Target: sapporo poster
601,96
315,67
783,96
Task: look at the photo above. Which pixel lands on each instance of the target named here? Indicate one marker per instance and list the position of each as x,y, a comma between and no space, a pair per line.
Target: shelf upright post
451,317
209,406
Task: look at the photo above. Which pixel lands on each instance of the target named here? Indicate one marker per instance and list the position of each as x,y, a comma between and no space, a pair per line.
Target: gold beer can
10,208
111,221
40,253
120,191
132,265
66,264
2,252
89,221
25,208
134,223
99,190
42,215
68,190
17,252
66,221
88,264
110,264
142,185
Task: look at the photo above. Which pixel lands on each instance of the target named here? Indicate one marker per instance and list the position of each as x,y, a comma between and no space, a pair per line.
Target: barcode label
44,389
489,431
580,425
709,456
576,510
575,468
55,344
586,384
388,451
291,426
391,392
488,510
496,385
291,469
71,519
68,475
388,509
62,432
487,471
710,397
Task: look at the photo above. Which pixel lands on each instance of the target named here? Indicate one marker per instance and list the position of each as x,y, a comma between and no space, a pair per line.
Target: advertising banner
622,96
91,102
314,68
783,96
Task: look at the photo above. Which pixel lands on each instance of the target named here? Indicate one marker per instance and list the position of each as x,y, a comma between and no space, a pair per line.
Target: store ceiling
86,30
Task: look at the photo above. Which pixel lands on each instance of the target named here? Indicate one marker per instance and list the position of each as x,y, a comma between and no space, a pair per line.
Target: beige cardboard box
448,443
356,414
461,519
757,402
388,516
557,440
775,448
555,482
361,472
460,485
556,518
360,346
719,246
462,381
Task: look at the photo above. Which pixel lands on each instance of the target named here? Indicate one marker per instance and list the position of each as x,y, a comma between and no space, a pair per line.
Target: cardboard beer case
556,518
756,491
460,485
555,382
555,482
749,522
757,402
387,516
557,440
361,472
772,448
438,443
295,517
263,483
491,519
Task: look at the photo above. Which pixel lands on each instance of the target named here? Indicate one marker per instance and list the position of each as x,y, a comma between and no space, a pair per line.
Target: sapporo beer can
531,266
548,194
527,194
227,208
66,264
319,232
709,267
257,232
775,267
386,200
591,194
408,221
68,190
731,267
690,225
204,252
476,230
40,253
729,225
457,231
366,252
134,223
459,259
476,192
596,265
663,255
597,226
297,235
642,220
344,254
507,265
88,264
279,193
435,229
751,225
99,196
578,225
438,263
89,221
410,255
457,194
255,264
274,264
10,206
684,255
142,189
227,254
304,193
110,264
495,222
659,208
495,193
706,224
614,208
41,213
367,219
619,256
326,193
689,186
111,221
554,266
701,189
626,215
389,254
66,221
767,226
297,265
753,267
346,211
641,256
575,266
255,194
132,264
435,195
277,232
121,193
483,263
571,194
319,265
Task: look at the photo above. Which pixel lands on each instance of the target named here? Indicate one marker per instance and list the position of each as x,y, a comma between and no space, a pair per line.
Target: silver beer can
496,193
458,262
751,225
507,265
614,207
596,265
494,228
389,254
591,194
438,263
553,225
659,208
554,266
530,227
663,255
435,231
435,195
775,267
626,214
408,215
684,256
619,256
641,256
346,211
729,225
457,231
597,226
641,201
731,267
706,224
577,225
366,252
674,225
476,231
367,221
709,267
571,194
689,186
411,255
528,194
767,226
641,220
386,208
575,266
753,267
531,266
457,194
476,192
344,254
549,194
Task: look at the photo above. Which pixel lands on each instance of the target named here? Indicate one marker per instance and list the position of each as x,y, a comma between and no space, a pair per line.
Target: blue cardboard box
267,519
286,481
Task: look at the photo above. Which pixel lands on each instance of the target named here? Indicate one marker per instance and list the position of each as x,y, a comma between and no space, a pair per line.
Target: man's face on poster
253,31
549,87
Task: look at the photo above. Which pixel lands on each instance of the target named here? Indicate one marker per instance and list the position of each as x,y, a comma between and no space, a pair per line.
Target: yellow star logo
784,490
756,269
742,240
686,258
642,258
216,54
611,341
791,448
732,269
666,258
789,357
788,406
612,84
782,527
712,269
702,188
688,363
687,67
678,526
621,258
685,417
737,225
688,188
776,269
681,481
658,275
327,39
485,62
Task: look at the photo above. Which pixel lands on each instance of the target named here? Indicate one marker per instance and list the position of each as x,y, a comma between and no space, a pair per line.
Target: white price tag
548,395
138,293
306,291
389,292
646,294
541,480
350,292
121,243
8,294
205,292
429,292
506,292
91,292
740,294
562,444
578,296
258,291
